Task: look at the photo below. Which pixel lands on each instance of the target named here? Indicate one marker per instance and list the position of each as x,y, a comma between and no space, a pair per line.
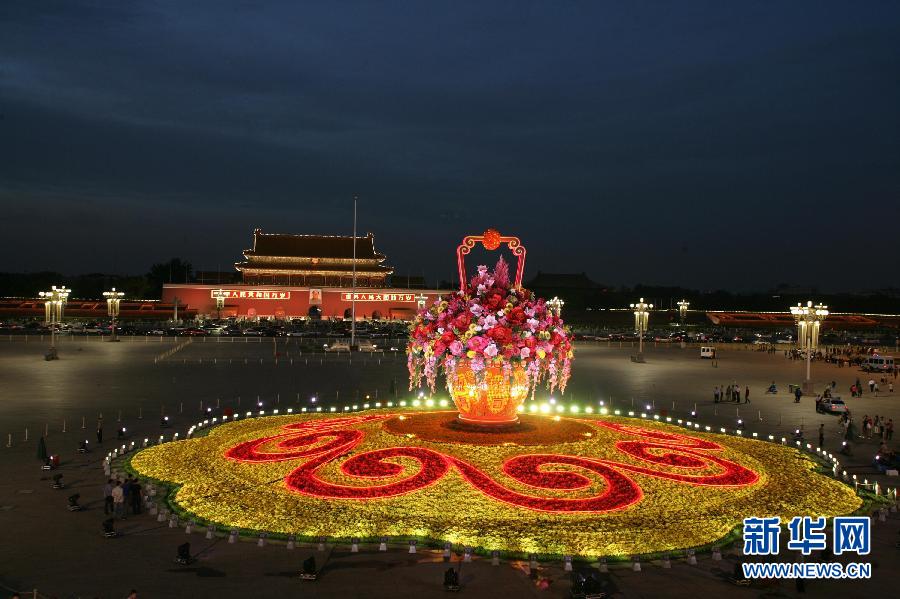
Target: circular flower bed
627,487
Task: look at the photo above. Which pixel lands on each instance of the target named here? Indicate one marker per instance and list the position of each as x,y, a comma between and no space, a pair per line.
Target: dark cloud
700,143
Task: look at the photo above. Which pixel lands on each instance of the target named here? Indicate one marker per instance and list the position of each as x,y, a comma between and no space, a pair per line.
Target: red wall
199,297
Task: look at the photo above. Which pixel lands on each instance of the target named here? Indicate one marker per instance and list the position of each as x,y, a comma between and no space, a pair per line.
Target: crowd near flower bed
627,487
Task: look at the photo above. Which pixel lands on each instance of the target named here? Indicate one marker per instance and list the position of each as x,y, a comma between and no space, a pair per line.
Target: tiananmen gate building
297,276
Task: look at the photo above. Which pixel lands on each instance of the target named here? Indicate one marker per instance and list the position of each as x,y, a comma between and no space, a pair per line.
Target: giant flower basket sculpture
493,340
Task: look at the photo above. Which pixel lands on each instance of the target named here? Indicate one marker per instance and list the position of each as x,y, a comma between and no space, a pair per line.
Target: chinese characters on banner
378,297
242,294
850,534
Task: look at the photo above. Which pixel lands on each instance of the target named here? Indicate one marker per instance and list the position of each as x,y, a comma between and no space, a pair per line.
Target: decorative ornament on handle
491,240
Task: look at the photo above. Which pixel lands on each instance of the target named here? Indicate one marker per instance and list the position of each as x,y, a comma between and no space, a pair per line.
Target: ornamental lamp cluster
219,295
682,309
54,302
809,319
113,298
641,321
556,305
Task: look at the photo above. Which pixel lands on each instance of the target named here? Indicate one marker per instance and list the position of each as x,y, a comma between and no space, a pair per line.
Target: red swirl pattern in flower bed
675,457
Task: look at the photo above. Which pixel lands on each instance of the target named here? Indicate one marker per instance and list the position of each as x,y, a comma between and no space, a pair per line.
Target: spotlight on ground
73,503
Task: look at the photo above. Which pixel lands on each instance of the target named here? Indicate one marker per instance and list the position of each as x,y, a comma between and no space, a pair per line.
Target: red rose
516,316
448,337
500,335
493,301
462,321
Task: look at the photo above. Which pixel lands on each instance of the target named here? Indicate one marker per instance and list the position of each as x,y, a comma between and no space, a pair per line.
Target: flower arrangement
632,487
490,325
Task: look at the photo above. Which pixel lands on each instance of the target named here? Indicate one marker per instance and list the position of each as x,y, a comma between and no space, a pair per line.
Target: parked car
831,405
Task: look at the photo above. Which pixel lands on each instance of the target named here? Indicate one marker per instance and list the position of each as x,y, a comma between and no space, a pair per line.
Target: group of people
878,427
857,388
119,496
731,393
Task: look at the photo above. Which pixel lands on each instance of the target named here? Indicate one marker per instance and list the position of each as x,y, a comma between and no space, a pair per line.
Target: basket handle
491,240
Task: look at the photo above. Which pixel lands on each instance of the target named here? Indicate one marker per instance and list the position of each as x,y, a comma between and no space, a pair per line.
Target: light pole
420,301
641,322
556,306
54,302
175,301
113,298
809,320
682,310
219,295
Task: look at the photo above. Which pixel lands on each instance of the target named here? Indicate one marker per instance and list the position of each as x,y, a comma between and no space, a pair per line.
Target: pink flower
477,343
524,353
456,348
491,350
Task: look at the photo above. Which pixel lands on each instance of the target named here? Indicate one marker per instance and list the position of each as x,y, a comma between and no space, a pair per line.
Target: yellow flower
470,354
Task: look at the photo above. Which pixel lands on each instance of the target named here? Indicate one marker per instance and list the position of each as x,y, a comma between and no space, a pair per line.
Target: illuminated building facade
299,276
313,260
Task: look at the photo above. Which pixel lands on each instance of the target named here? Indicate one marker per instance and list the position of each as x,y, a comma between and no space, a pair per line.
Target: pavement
62,554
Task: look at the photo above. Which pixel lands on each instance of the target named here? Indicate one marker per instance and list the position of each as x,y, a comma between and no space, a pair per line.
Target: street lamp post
809,321
556,306
113,298
682,309
420,301
641,322
54,302
219,295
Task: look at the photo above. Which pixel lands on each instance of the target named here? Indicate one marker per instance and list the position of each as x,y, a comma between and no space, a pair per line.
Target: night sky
706,144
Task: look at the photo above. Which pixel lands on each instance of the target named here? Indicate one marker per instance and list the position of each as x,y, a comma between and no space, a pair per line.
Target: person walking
889,429
747,394
118,496
107,497
135,497
875,389
890,386
99,432
822,434
871,385
716,394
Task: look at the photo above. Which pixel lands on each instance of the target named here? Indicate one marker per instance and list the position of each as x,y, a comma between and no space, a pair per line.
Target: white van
876,363
708,353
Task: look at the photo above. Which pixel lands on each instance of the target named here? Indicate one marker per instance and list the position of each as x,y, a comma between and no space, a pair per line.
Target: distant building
314,260
576,289
300,276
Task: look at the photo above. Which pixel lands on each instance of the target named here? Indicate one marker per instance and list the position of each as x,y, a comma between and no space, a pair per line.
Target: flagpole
353,294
